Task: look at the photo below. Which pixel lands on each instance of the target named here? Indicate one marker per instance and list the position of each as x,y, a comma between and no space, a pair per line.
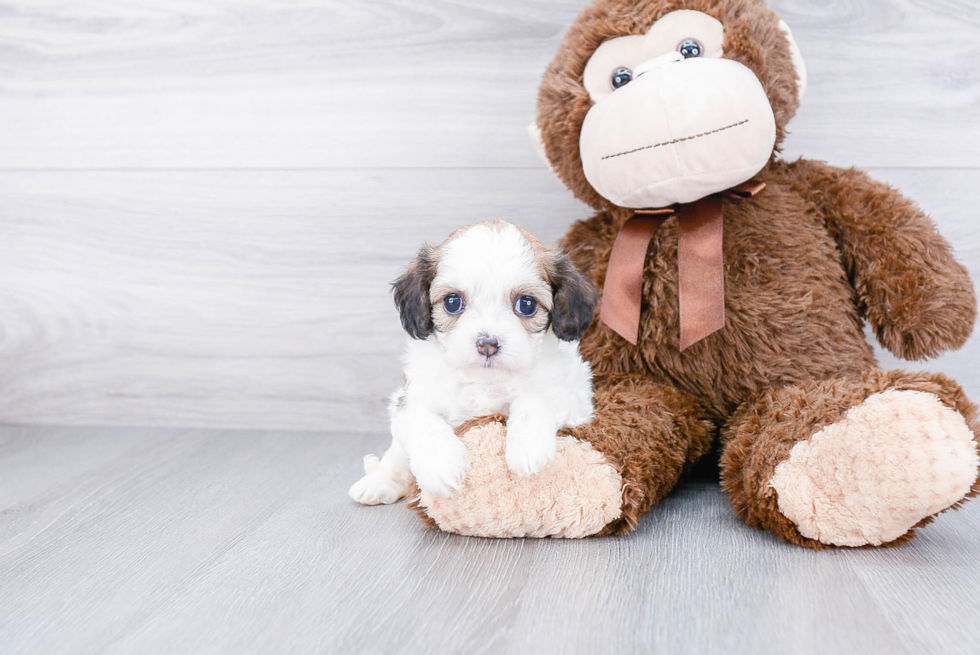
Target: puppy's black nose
487,346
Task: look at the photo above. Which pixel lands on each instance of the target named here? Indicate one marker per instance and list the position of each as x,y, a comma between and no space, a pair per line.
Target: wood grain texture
407,83
172,541
260,299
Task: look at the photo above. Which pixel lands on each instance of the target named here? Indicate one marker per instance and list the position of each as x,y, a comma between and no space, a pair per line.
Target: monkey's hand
918,299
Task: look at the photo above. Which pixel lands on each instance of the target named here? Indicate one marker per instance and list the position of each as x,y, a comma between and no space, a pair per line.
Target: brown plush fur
651,433
806,262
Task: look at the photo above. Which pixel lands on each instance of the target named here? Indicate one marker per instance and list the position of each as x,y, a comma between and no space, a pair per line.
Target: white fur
541,382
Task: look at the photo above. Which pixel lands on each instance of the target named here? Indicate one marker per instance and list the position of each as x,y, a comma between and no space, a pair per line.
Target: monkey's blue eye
690,48
621,77
453,303
526,306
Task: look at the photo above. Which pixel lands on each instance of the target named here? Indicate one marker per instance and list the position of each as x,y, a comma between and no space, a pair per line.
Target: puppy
493,320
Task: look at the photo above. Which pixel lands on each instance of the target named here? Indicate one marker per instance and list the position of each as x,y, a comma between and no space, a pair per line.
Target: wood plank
105,546
691,568
41,464
245,542
412,591
412,83
260,299
929,617
883,75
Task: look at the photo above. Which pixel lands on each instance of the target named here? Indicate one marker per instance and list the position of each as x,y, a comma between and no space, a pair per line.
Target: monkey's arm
918,299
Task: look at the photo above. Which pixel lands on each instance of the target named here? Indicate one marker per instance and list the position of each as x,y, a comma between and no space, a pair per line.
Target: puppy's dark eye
621,77
453,303
690,48
526,306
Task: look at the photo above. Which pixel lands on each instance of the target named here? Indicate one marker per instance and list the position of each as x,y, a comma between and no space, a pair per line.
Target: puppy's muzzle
487,346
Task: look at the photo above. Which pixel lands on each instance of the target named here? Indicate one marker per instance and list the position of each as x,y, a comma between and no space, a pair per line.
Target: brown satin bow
700,267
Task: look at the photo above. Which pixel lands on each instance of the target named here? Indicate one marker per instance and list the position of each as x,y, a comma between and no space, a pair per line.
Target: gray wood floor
116,540
202,206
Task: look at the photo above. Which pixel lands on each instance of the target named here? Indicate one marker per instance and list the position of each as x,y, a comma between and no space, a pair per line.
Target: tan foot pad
575,496
895,459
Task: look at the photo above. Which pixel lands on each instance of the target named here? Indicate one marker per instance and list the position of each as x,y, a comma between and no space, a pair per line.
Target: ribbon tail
622,292
701,270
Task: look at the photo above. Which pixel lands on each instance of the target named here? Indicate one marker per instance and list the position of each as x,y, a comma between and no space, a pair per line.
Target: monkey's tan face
673,121
669,110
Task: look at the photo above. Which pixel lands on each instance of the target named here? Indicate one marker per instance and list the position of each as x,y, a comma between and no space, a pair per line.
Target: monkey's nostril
487,346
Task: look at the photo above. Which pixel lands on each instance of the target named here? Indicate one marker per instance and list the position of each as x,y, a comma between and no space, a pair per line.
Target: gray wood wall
202,203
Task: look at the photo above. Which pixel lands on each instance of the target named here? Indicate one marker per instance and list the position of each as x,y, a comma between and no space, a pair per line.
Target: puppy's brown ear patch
411,292
575,297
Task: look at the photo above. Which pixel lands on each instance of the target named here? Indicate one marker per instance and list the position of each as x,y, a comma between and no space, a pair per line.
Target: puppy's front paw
530,447
441,471
377,488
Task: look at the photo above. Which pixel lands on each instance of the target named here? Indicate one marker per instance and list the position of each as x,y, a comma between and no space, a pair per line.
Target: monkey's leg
651,433
852,462
605,474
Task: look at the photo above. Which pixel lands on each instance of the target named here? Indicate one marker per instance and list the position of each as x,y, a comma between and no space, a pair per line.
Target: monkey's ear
575,298
798,62
534,132
411,292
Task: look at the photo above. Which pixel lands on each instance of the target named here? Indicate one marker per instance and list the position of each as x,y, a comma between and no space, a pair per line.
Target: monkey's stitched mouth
669,143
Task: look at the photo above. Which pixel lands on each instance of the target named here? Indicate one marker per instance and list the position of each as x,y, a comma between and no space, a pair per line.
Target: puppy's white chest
470,399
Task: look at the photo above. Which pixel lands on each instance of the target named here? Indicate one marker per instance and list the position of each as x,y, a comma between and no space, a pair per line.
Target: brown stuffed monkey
735,287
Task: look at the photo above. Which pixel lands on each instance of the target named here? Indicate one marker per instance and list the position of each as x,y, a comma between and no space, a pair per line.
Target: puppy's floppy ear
411,291
575,297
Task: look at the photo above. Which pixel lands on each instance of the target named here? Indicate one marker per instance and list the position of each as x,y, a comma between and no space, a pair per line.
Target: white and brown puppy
493,319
